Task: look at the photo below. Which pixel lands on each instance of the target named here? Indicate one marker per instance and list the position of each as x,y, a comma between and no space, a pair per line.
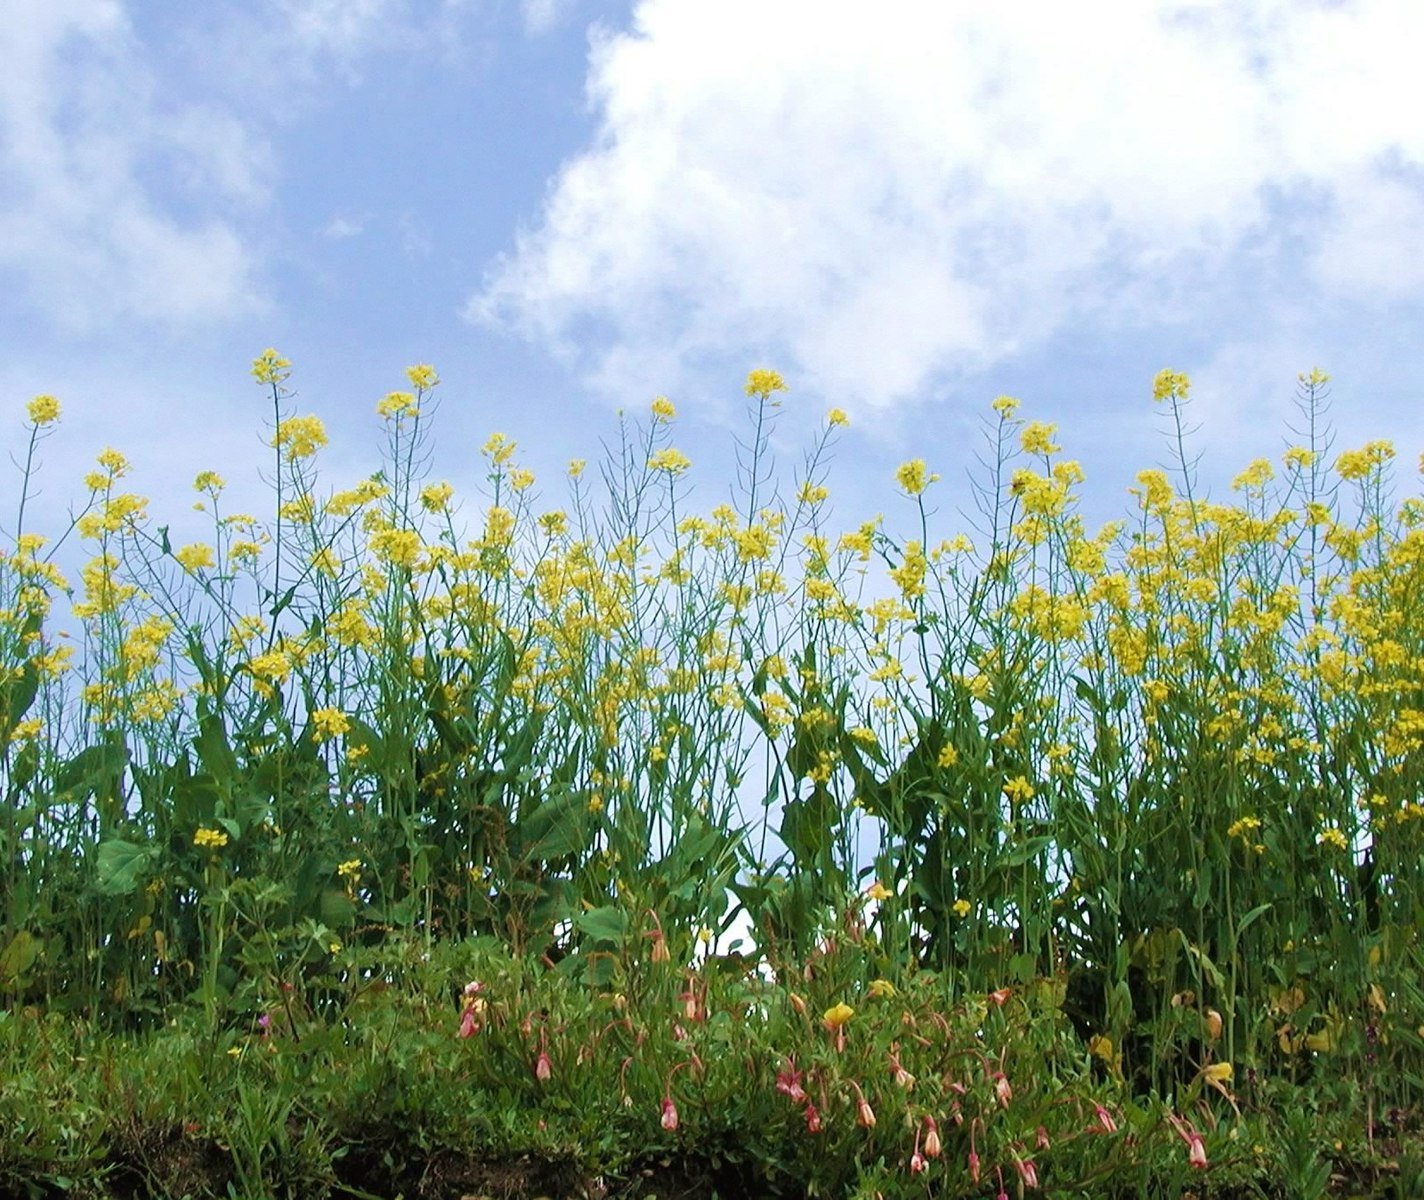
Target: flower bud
669,1116
932,1144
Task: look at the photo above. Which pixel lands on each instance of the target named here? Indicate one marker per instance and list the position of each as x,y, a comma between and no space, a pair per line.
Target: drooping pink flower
813,1118
1028,1172
468,1025
1105,1124
543,1067
1000,996
669,1115
1040,1141
1196,1151
932,1143
917,1163
1002,1091
973,1167
788,1082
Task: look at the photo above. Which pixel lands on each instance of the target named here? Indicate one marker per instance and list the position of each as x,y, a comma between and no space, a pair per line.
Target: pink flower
789,1082
1106,1124
468,1025
669,1117
813,1119
864,1114
917,1163
932,1145
1040,1142
1028,1172
1196,1151
543,1067
1002,1091
973,1167
1000,996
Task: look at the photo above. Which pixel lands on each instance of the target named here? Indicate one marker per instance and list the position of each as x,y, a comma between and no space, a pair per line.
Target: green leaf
556,828
122,866
606,924
19,956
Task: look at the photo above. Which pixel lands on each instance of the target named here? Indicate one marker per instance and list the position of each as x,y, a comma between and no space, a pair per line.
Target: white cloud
542,16
340,228
887,195
84,133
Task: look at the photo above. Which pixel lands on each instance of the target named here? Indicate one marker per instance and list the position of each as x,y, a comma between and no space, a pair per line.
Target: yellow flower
1037,438
1170,385
270,367
1005,406
498,449
837,1015
961,908
1217,1072
350,869
576,466
1333,837
674,462
397,405
435,496
422,377
329,723
881,989
948,756
209,481
836,418
912,477
43,410
663,409
214,839
1018,790
194,557
877,891
113,462
299,437
763,383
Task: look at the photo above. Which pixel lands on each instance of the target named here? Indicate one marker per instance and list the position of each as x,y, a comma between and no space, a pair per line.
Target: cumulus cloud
84,133
138,160
886,196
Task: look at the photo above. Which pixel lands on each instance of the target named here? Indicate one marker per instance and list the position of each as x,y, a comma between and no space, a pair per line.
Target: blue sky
571,207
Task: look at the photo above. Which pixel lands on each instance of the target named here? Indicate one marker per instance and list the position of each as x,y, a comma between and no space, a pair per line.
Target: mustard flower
397,406
961,907
1170,385
299,437
329,723
422,377
1037,438
663,409
270,367
1005,406
837,418
1018,790
43,410
913,478
763,383
434,497
211,839
194,557
498,449
674,462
